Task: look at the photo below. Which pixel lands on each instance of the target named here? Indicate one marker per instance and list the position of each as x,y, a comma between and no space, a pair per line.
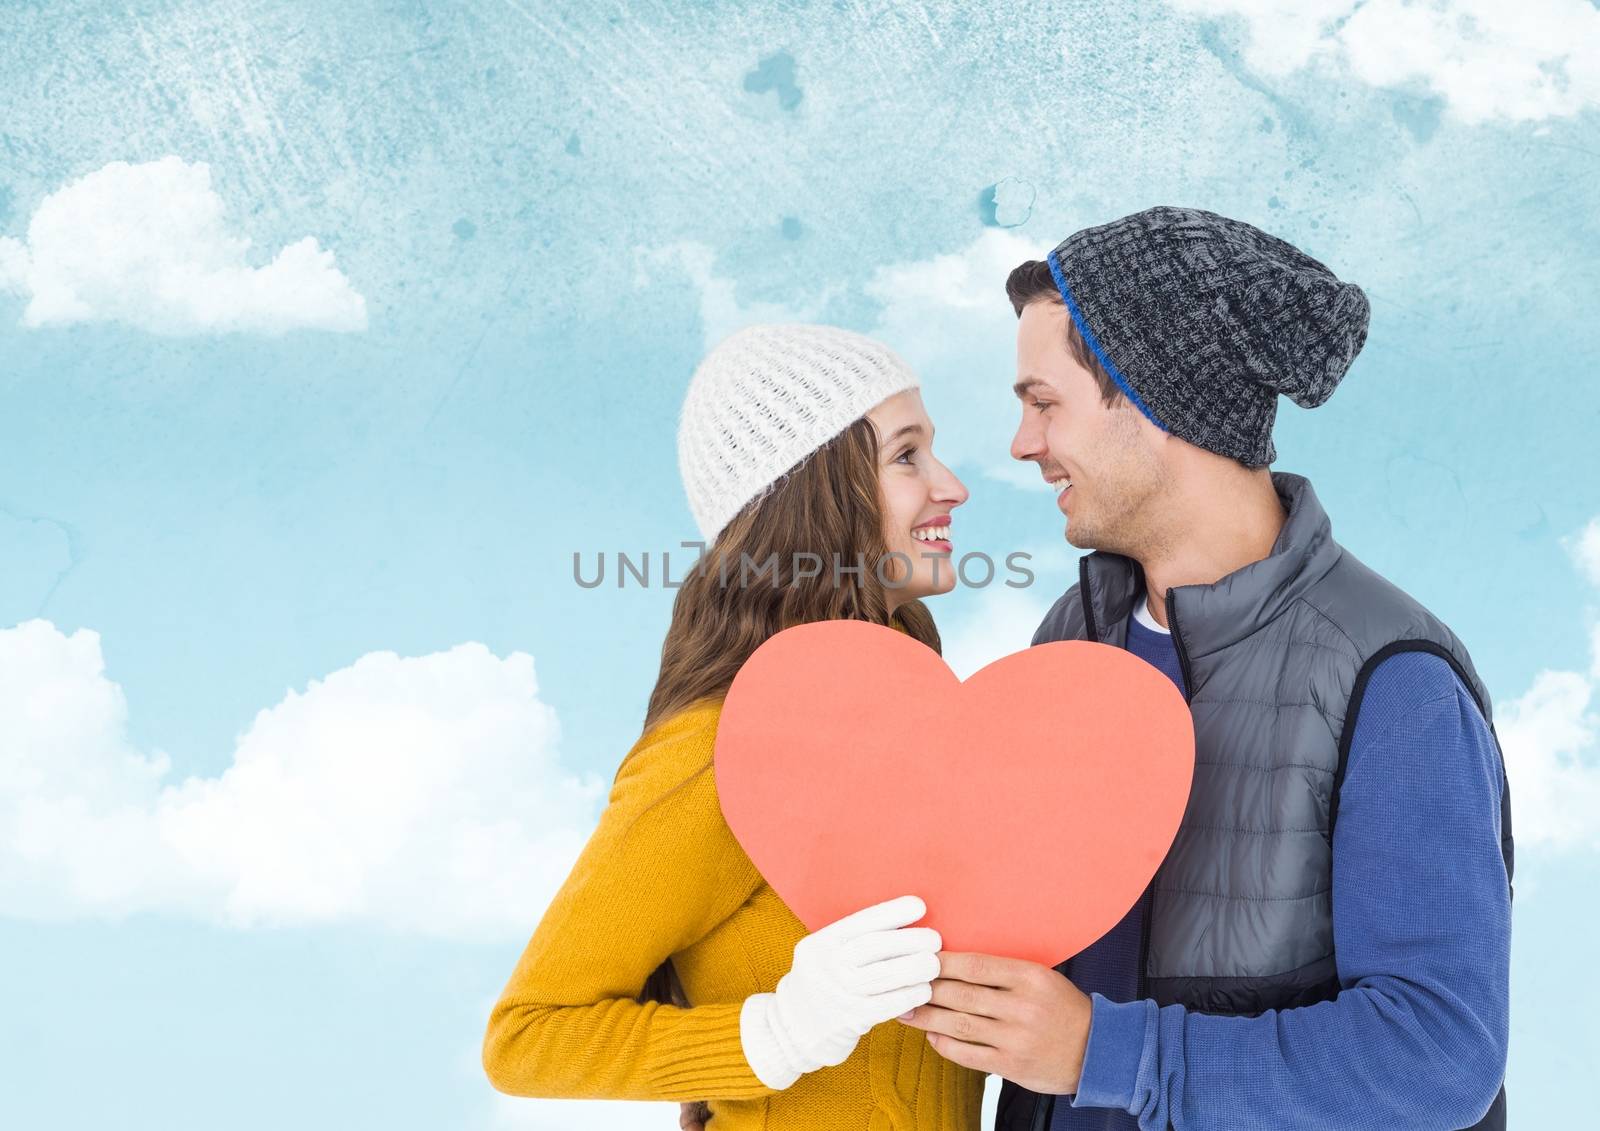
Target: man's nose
1028,443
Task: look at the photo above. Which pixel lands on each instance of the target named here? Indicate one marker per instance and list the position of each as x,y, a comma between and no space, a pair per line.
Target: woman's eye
905,455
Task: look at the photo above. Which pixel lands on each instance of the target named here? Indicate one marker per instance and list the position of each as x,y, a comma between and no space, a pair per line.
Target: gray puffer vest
1276,657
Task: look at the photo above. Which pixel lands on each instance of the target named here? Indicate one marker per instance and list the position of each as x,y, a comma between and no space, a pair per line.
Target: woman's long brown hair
829,506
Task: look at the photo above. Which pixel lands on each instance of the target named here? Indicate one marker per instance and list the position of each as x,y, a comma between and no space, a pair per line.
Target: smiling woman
666,967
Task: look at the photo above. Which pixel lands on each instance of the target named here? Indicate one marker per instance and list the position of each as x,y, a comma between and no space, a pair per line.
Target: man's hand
1016,1019
693,1117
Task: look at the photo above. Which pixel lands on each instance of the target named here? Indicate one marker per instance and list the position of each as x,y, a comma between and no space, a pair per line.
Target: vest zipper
1177,642
1148,899
1089,626
1044,1107
1044,1110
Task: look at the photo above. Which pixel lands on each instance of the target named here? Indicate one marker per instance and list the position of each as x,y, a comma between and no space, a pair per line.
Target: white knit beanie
764,399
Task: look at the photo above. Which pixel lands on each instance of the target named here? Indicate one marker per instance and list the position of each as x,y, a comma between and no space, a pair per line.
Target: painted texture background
302,715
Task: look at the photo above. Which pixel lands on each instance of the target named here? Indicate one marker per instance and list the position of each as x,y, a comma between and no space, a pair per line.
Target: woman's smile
935,534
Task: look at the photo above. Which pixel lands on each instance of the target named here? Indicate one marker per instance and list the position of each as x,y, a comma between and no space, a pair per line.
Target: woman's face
919,493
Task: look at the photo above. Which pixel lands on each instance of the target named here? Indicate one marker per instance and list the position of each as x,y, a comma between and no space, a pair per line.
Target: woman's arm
659,873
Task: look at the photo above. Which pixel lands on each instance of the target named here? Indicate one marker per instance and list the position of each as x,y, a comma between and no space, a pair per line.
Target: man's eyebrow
1023,387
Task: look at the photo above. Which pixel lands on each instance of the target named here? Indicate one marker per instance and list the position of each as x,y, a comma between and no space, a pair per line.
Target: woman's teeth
932,534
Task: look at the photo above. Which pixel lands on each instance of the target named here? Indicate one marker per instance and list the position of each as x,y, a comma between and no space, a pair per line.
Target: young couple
1326,943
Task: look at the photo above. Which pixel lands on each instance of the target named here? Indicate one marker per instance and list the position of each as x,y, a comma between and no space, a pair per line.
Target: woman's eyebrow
906,430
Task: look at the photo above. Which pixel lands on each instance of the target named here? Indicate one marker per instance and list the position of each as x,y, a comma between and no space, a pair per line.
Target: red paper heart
1028,806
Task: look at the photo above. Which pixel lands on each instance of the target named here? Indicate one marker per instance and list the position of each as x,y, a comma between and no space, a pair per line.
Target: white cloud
419,794
948,316
1551,739
1585,549
146,245
721,313
1488,59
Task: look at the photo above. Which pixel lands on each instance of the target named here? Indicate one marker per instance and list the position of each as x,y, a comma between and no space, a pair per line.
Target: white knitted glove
857,972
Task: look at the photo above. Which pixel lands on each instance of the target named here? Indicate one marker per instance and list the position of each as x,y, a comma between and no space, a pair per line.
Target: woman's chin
922,589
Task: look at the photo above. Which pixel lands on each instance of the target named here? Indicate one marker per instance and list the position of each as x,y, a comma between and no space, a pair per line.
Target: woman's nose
952,490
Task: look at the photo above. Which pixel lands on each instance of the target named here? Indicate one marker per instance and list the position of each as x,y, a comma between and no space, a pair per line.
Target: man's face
1109,454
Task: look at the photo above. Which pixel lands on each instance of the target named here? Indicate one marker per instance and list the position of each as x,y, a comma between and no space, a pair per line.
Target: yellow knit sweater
662,875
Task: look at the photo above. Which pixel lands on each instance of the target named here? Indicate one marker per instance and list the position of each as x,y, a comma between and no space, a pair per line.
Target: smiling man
1327,943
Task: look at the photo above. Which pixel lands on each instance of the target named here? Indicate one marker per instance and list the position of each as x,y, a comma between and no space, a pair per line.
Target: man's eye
1041,405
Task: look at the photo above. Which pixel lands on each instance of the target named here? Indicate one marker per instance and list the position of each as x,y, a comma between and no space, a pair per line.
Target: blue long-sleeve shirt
1417,1036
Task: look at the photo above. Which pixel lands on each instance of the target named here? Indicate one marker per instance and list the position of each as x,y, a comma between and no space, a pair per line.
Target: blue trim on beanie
1094,343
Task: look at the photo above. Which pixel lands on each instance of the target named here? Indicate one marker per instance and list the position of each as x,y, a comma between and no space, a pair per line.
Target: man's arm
1422,927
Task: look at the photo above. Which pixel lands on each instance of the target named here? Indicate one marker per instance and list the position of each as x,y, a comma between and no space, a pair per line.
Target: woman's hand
857,972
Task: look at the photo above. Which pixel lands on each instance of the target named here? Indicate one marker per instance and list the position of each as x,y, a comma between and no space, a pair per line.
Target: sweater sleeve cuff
701,1057
1117,1032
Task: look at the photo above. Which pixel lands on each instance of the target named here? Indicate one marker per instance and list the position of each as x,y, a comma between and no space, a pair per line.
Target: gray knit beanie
1202,321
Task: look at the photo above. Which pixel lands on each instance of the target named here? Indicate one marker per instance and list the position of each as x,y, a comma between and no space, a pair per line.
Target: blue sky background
250,515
